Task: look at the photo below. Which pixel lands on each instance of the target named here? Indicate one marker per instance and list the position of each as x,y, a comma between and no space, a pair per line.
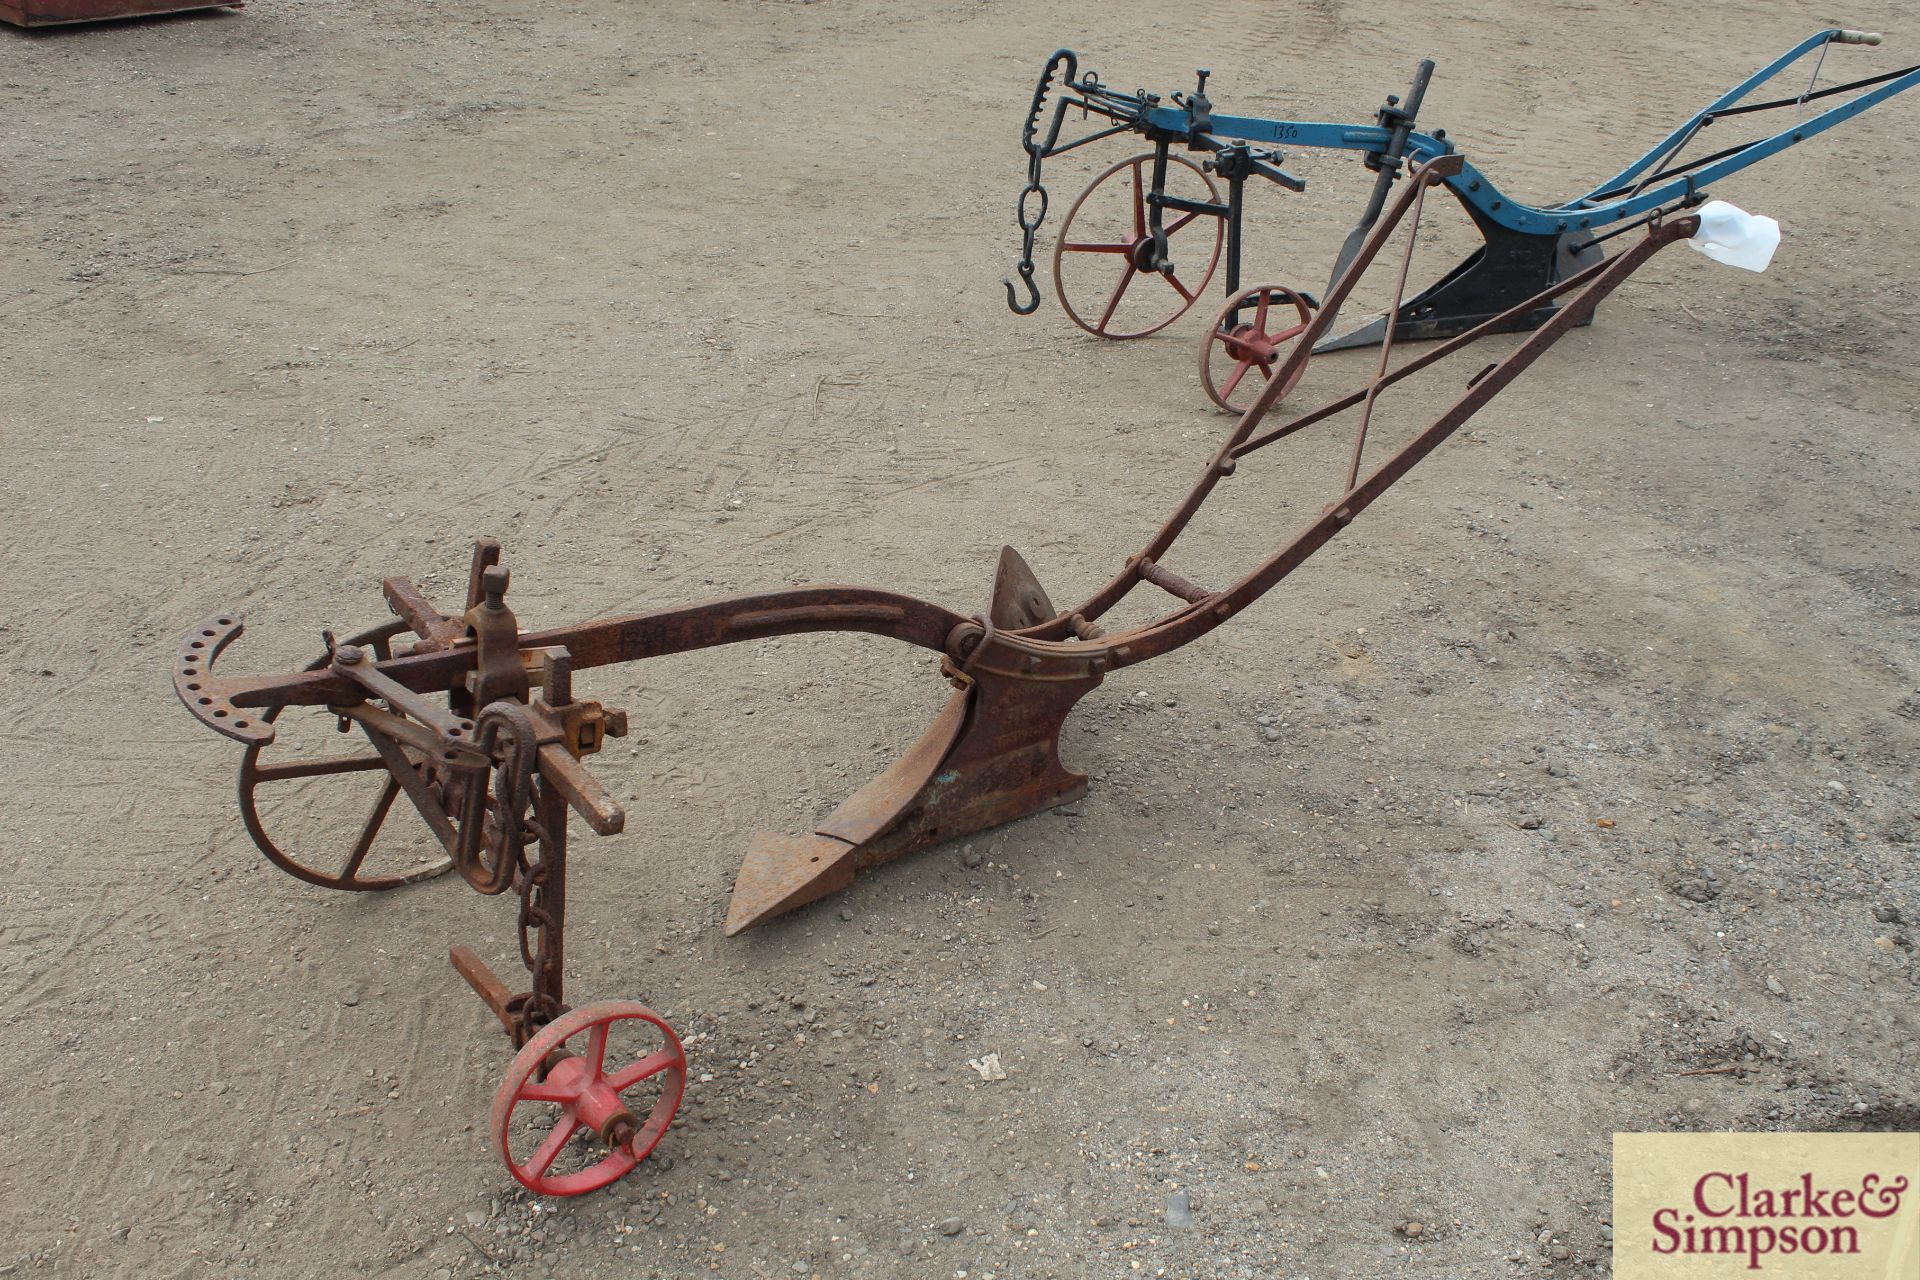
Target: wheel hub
1247,343
596,1105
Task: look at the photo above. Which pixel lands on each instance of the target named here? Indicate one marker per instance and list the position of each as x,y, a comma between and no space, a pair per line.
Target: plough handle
1421,75
1397,118
1844,36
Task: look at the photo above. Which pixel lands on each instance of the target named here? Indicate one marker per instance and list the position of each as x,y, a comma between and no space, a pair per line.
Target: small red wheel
1245,338
1110,229
572,1089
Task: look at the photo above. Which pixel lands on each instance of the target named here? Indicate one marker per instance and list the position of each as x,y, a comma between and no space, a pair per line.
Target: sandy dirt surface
1581,767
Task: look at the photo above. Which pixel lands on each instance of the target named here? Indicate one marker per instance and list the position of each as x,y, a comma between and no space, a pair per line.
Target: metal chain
1037,147
533,915
534,1009
504,828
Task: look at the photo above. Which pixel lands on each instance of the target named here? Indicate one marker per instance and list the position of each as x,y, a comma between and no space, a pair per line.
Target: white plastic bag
1731,235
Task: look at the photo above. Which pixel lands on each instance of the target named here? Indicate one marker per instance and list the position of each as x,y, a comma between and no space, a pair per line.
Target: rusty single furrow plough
474,724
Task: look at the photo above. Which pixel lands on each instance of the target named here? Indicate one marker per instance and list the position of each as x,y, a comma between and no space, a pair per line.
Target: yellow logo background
1656,1172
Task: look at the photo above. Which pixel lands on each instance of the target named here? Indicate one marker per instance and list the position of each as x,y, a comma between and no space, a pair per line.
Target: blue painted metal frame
1586,211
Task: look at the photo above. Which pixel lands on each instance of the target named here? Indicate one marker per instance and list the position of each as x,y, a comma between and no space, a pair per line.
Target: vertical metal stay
1818,62
1376,385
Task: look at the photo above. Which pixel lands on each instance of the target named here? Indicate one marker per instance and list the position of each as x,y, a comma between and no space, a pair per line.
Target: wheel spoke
1096,248
375,821
596,1054
1260,315
1178,288
542,1160
1284,334
402,770
1181,223
1114,301
546,1091
1239,372
316,768
651,1065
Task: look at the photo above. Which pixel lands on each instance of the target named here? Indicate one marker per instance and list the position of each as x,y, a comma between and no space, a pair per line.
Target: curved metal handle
1060,58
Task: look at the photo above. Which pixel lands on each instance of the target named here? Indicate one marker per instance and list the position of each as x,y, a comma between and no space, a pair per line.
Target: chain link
535,1008
495,835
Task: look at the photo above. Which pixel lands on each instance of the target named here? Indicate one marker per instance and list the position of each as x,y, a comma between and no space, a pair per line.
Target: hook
1033,292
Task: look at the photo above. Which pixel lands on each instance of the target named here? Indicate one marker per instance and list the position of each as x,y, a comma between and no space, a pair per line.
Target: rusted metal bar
581,790
1221,464
1374,385
219,703
413,608
1084,630
486,554
1433,355
1170,634
485,983
1172,583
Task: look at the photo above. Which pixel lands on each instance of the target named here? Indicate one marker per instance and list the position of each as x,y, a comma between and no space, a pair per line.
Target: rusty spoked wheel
1250,337
614,1070
294,761
1104,250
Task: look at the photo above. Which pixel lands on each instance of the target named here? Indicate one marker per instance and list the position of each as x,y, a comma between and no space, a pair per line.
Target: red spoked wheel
553,1091
1250,336
1105,248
